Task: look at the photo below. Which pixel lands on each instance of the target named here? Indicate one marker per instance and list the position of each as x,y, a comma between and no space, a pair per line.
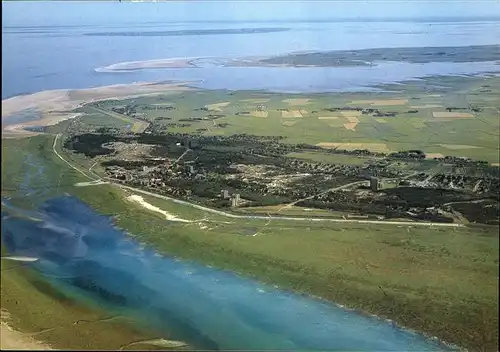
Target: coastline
149,64
55,106
16,340
13,339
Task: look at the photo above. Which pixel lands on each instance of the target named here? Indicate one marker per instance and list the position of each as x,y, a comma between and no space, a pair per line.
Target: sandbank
148,64
55,106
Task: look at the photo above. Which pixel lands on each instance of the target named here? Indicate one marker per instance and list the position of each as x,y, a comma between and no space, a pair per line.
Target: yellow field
443,114
291,113
350,113
257,113
388,102
350,126
428,106
374,147
328,117
288,123
217,106
433,155
257,101
297,101
458,146
352,119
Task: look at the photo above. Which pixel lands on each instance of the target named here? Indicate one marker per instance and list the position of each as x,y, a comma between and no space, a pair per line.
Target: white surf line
67,162
21,259
140,200
285,218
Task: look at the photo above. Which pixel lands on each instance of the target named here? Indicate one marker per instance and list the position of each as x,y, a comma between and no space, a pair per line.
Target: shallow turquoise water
208,308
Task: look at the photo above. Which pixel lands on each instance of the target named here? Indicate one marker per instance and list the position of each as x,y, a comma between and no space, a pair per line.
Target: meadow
443,116
440,281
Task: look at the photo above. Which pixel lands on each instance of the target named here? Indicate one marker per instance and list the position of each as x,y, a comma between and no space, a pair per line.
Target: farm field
462,121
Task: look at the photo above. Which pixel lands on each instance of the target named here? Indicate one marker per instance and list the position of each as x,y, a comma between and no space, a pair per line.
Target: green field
330,158
441,281
473,135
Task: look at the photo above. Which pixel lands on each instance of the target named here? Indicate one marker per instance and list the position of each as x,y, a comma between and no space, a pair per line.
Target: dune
140,200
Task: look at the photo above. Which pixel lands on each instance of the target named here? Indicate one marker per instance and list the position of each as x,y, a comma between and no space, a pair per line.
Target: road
254,217
323,192
138,126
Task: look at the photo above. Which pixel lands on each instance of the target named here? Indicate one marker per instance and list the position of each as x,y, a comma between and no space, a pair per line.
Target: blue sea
53,45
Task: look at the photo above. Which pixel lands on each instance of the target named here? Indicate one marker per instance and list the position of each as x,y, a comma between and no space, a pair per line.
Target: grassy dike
441,281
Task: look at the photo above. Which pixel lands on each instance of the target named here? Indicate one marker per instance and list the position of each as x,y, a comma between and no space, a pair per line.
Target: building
374,184
235,199
190,169
224,194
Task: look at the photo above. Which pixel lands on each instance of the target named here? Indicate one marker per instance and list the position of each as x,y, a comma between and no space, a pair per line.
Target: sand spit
15,340
140,200
57,105
149,64
21,259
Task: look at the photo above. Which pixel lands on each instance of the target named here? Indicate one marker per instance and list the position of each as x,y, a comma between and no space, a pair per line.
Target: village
242,171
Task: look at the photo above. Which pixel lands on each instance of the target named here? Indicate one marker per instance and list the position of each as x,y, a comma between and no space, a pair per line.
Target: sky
240,10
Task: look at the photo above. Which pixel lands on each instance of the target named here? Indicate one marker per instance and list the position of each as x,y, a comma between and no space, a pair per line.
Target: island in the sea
286,187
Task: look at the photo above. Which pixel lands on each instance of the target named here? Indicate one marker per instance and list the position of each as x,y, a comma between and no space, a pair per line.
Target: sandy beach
55,106
140,200
149,64
11,339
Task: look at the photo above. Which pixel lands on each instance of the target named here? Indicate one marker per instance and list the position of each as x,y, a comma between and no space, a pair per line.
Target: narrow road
256,217
323,192
138,126
67,162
